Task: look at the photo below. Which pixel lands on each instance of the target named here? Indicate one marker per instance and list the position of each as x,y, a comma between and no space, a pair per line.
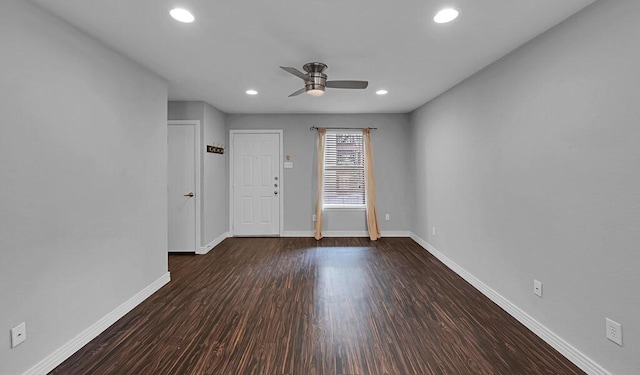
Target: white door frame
281,171
197,156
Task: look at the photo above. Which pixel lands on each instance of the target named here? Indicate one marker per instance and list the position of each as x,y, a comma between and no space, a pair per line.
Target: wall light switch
18,334
537,288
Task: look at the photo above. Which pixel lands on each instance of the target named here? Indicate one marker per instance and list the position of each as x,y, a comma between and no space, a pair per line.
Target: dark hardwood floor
295,306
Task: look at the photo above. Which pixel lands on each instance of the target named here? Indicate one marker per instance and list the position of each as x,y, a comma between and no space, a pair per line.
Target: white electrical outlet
18,334
537,288
433,231
614,331
387,217
313,218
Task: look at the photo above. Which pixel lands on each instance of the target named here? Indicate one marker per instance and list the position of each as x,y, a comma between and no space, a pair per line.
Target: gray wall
529,169
214,186
390,167
83,189
215,214
183,110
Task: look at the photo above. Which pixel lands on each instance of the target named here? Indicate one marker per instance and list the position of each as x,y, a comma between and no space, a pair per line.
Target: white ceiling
235,45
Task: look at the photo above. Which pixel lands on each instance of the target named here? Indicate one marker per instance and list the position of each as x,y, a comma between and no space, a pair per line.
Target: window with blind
344,170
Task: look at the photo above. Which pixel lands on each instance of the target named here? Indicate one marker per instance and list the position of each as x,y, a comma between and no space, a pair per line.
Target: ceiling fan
315,81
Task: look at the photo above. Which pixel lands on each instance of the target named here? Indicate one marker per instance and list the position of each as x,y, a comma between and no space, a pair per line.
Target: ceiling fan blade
302,90
347,84
295,72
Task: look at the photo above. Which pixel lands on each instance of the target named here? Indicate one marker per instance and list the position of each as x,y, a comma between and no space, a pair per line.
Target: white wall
214,186
83,188
390,167
529,169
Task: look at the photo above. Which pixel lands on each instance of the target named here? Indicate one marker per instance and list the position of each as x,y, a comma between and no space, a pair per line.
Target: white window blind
344,169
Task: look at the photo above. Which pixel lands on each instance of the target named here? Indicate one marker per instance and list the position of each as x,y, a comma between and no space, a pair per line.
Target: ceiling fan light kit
315,81
315,92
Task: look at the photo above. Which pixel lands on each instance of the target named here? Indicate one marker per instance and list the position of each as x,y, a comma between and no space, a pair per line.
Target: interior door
181,187
256,184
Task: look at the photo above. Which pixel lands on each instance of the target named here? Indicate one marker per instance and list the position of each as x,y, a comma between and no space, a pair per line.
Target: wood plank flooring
340,306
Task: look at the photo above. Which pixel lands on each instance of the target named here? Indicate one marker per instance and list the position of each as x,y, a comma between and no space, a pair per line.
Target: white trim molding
557,342
345,233
61,354
395,233
214,243
335,233
297,233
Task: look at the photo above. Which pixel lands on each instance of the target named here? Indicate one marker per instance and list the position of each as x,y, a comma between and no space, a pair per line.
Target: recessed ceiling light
251,92
182,15
446,15
382,92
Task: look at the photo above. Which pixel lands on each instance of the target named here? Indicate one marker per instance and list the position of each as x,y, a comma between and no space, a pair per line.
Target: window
344,170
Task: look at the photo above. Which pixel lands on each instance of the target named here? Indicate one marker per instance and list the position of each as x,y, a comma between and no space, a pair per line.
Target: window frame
356,207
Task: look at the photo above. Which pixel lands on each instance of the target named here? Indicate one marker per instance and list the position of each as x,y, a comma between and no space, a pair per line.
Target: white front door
181,187
256,184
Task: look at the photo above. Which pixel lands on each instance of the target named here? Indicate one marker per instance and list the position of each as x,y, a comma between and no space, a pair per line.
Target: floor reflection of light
341,295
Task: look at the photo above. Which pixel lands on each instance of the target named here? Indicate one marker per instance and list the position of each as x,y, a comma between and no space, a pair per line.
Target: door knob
275,192
275,185
189,195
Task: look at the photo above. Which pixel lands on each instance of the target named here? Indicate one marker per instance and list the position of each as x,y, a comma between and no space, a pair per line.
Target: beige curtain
322,136
369,188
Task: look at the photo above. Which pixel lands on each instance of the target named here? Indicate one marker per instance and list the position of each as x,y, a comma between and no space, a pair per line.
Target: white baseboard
297,233
330,233
205,249
335,233
574,355
345,233
57,357
395,233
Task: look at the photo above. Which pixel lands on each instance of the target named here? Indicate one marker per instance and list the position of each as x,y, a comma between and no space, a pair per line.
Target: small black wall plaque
215,149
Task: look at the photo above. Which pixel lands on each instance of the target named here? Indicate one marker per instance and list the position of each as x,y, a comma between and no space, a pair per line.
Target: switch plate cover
537,288
18,334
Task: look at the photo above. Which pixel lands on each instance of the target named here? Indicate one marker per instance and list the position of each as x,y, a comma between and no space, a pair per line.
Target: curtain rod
316,128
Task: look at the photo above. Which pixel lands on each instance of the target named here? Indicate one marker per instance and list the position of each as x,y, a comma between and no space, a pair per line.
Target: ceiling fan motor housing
317,79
